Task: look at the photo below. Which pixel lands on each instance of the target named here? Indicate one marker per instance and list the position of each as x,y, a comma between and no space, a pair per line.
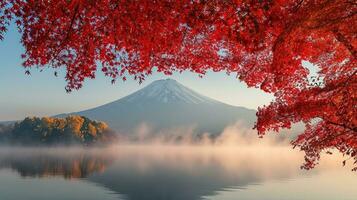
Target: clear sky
43,94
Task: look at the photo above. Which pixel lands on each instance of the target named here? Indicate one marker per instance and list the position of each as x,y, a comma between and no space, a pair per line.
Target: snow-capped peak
168,91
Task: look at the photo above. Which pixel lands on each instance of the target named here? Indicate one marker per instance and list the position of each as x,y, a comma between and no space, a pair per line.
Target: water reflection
74,163
190,173
155,173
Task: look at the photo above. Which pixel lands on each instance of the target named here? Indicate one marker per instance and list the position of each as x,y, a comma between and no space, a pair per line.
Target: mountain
167,104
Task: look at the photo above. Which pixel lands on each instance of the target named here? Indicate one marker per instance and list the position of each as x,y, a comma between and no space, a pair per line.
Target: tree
47,130
263,42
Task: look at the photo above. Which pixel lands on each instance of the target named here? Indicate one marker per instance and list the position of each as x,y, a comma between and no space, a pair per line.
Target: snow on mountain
168,91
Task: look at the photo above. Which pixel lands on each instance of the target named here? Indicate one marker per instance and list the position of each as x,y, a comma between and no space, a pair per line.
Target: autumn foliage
61,131
262,42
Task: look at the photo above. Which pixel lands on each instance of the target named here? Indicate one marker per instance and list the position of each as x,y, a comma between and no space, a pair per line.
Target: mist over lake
156,172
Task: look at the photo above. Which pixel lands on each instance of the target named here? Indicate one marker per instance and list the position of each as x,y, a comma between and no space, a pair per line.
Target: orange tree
263,41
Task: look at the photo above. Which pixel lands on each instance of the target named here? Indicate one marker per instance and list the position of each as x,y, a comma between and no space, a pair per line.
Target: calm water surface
170,173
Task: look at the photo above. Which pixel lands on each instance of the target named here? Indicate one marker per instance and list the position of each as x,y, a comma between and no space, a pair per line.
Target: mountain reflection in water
162,172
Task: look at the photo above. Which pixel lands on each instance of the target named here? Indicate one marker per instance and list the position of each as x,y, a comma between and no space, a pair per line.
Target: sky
43,94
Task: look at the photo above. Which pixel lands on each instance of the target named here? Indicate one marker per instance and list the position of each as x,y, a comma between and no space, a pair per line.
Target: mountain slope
166,104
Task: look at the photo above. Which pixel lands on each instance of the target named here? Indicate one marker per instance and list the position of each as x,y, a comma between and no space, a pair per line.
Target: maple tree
264,42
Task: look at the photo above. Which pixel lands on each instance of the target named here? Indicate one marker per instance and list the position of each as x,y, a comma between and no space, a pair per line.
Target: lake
159,172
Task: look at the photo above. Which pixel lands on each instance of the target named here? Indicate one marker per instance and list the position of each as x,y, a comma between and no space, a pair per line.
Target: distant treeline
62,131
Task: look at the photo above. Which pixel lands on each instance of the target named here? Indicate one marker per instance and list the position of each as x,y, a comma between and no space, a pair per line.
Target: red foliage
264,42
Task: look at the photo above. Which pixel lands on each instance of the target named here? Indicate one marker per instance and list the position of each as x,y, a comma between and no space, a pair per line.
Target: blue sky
43,94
